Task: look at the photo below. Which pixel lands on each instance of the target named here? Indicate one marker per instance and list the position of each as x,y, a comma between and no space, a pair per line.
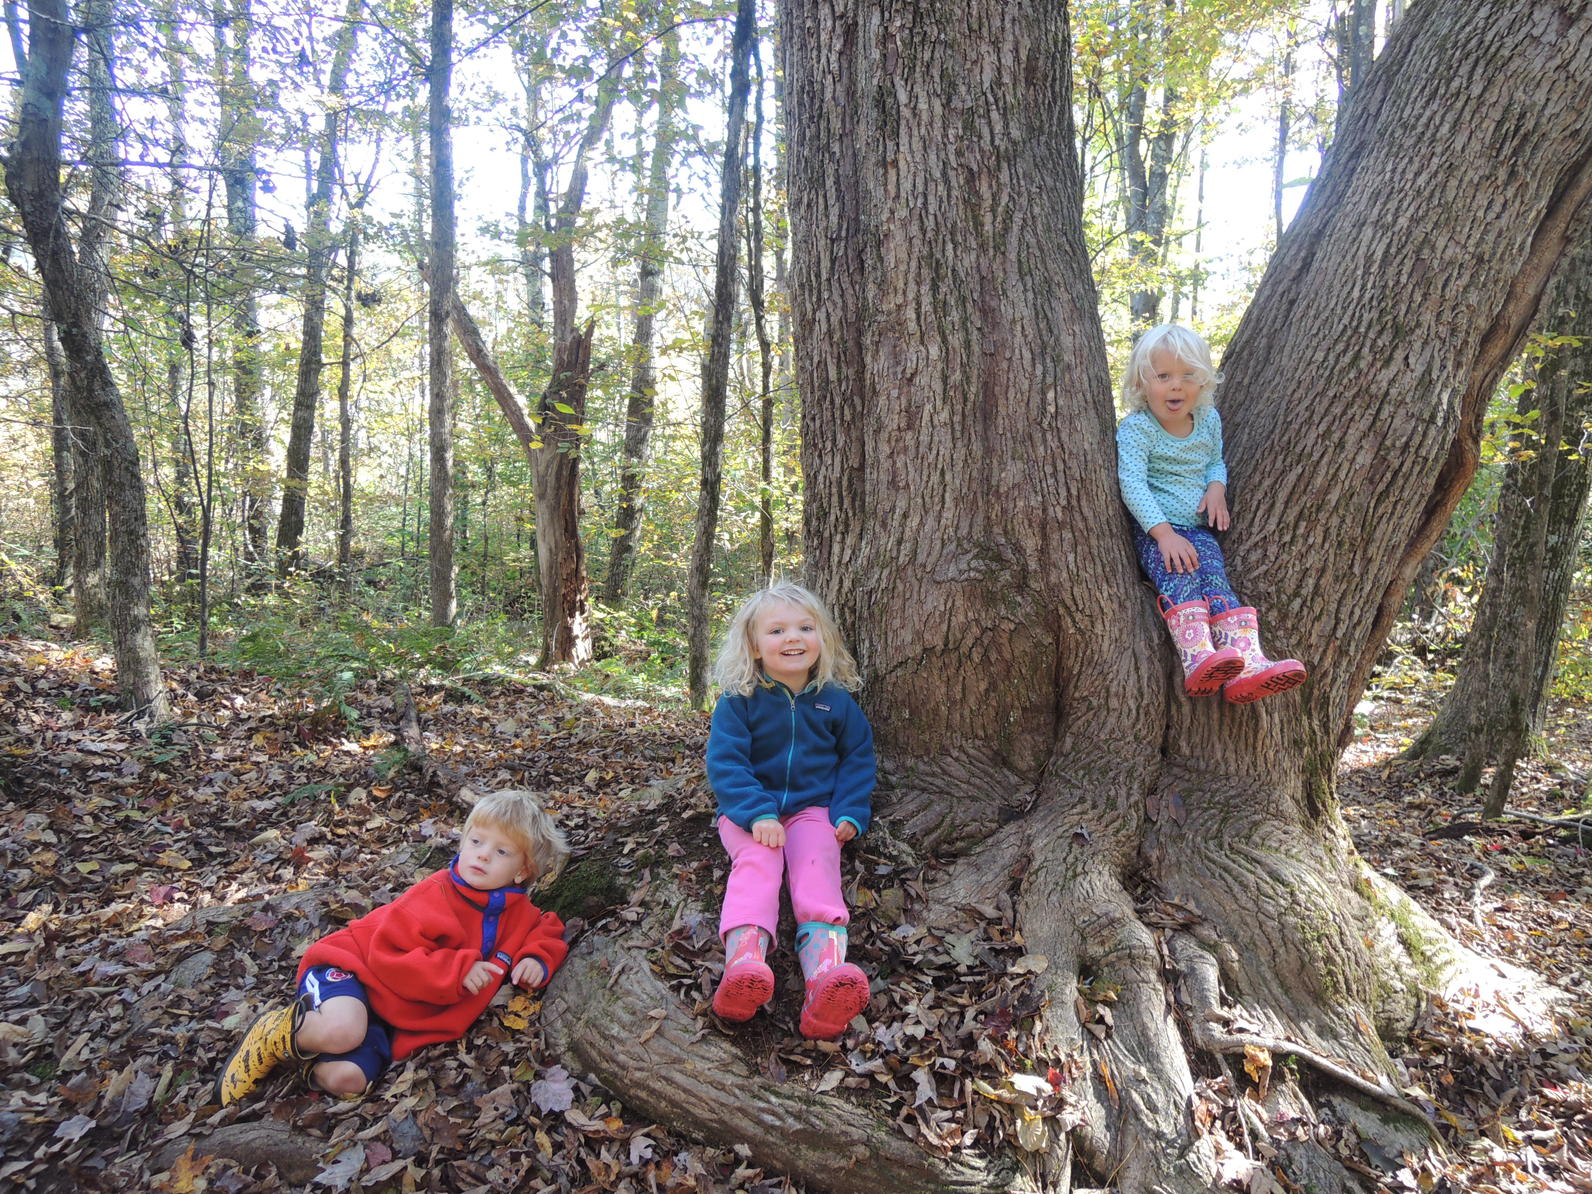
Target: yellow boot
268,1041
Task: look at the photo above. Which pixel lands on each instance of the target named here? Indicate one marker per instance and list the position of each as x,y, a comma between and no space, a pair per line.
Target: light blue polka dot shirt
1162,477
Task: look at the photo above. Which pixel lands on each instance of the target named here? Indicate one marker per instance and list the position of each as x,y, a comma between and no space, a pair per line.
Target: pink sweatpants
811,861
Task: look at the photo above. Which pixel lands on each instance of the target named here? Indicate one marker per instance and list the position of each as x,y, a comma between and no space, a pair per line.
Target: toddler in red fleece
422,968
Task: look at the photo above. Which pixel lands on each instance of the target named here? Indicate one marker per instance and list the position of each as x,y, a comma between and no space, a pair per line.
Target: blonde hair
736,669
519,816
1183,343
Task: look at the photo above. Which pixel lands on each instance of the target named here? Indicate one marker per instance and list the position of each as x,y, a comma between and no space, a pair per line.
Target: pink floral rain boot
1238,629
748,983
836,990
1205,666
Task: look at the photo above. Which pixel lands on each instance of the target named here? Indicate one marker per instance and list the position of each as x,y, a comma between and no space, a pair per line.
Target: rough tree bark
640,405
716,365
1500,688
962,515
73,296
439,410
317,259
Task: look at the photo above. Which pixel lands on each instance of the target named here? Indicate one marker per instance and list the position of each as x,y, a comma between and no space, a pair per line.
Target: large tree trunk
649,291
1501,685
317,259
73,294
962,515
439,303
716,365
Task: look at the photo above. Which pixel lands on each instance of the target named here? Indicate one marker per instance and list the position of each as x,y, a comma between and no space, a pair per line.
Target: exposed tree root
609,1016
438,776
1200,987
297,1156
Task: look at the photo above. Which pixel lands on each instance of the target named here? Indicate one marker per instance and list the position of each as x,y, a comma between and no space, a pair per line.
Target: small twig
1238,1102
1581,824
1480,886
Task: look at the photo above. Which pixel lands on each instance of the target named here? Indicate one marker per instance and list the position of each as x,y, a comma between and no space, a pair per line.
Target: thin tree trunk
1279,170
561,413
532,214
1354,39
765,350
716,366
1501,684
237,154
441,271
63,436
317,254
345,415
73,295
640,406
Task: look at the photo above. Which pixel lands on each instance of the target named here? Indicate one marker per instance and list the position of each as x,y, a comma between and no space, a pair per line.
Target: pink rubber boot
748,983
836,990
1205,666
1238,629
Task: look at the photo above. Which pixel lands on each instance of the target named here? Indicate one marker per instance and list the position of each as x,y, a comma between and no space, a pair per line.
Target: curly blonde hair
1183,343
736,669
519,816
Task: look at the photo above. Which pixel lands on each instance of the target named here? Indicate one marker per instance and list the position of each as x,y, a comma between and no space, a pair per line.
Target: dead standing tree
962,514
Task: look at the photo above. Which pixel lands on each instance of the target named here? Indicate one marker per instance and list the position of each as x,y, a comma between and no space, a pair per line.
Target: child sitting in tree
1174,481
422,968
790,759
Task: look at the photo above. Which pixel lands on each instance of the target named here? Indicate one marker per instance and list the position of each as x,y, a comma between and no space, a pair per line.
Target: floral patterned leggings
1174,588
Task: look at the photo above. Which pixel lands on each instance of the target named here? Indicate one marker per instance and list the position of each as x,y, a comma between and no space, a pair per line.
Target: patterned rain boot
1205,666
1239,629
836,990
268,1041
748,983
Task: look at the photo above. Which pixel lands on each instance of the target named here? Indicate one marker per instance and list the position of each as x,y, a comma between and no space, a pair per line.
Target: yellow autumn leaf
173,859
1256,1061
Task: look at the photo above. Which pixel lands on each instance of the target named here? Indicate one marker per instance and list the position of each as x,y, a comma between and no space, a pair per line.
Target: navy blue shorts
374,1054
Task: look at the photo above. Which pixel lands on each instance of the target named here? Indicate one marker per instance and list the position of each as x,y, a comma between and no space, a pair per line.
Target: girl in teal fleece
790,759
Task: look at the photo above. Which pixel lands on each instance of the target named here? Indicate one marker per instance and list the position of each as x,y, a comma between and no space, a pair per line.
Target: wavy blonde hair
736,668
1183,343
519,816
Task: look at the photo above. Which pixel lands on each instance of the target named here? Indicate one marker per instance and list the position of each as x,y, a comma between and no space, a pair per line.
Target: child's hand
1177,553
1214,506
844,832
768,832
530,972
480,975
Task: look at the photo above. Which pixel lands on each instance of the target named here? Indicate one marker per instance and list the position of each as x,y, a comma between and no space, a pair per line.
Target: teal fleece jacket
774,753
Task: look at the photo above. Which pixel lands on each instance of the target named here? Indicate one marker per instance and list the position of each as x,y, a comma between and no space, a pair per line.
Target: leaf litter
161,889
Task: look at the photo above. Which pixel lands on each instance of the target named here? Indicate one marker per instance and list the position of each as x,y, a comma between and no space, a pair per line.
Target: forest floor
158,891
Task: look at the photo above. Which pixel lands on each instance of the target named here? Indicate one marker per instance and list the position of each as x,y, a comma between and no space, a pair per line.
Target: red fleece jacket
412,955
